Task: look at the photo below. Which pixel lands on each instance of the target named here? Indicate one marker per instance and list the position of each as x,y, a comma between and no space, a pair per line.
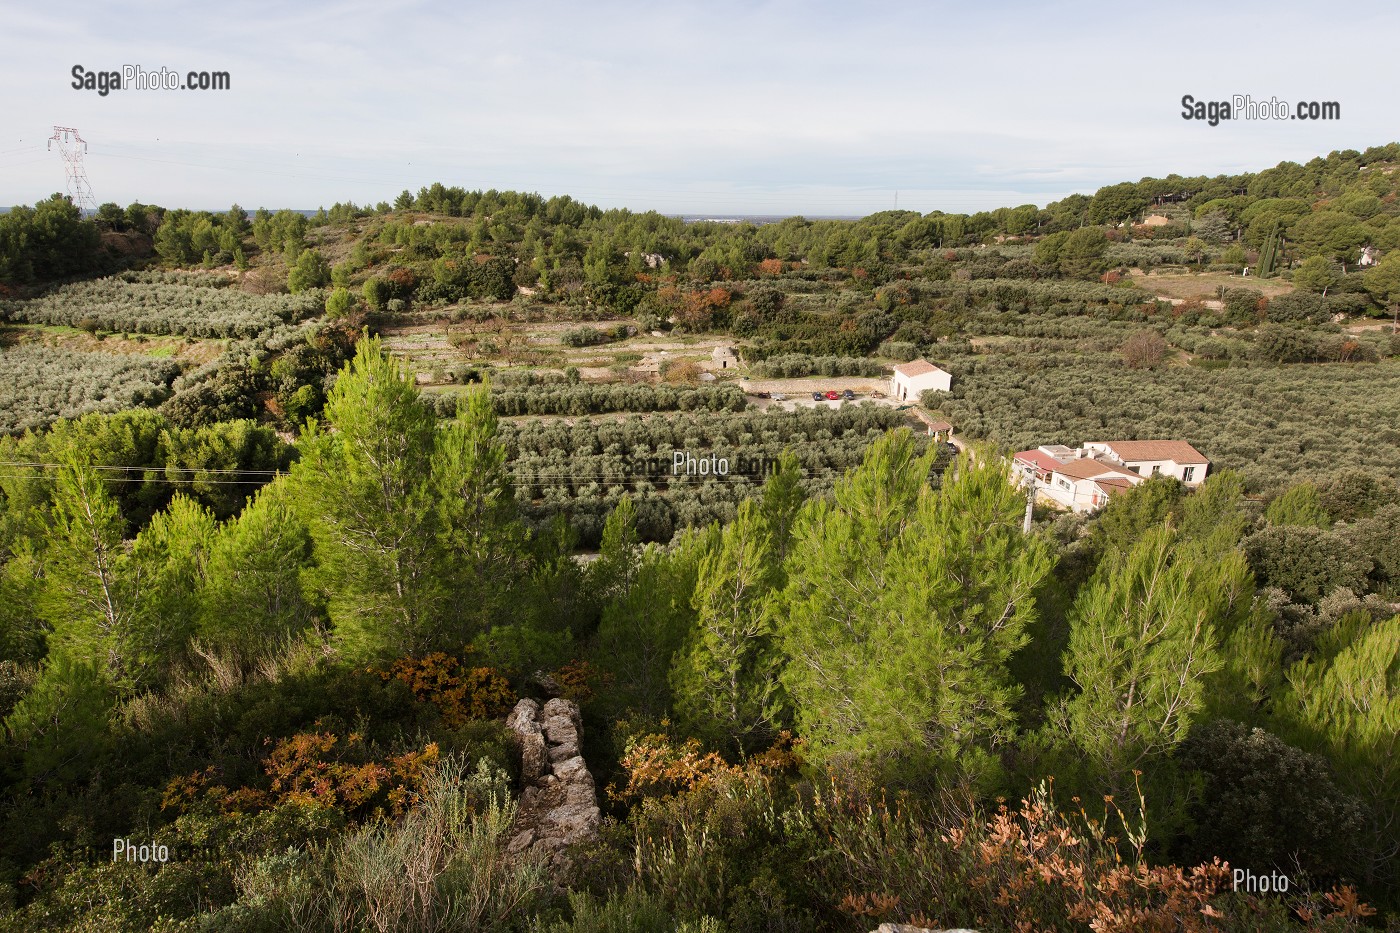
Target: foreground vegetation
803,718
272,616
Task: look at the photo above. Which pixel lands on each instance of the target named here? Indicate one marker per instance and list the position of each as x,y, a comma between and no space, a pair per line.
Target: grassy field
1206,285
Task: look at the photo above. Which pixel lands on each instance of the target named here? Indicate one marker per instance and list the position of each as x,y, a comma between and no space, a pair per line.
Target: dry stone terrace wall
559,806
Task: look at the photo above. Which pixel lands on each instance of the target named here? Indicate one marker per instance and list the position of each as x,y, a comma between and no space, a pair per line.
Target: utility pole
72,147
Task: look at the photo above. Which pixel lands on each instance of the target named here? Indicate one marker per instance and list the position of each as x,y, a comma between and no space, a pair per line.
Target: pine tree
782,500
169,555
611,576
1345,703
726,680
366,493
478,521
902,607
1143,640
1300,504
644,627
252,596
1214,513
89,584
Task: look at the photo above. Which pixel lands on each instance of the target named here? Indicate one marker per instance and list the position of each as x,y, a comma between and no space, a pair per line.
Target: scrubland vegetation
268,605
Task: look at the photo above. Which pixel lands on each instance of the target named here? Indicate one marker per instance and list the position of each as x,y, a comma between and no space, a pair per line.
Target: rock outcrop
559,805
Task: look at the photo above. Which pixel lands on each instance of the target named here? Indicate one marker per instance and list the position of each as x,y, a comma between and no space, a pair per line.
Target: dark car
833,395
848,395
817,396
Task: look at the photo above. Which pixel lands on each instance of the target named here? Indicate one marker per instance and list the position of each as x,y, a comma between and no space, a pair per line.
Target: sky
713,108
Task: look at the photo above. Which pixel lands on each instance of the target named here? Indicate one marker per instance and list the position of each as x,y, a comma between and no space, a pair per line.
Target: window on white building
1188,474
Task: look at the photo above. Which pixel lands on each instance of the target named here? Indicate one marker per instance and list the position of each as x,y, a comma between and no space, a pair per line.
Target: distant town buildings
910,380
1085,479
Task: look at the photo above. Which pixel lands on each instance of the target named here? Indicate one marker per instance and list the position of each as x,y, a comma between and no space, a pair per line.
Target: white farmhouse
1149,458
1083,480
910,380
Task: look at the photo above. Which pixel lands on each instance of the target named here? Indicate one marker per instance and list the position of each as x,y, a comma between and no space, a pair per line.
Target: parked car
779,397
817,396
833,395
762,395
848,395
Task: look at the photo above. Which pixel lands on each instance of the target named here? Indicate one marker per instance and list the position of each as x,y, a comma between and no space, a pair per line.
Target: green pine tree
1143,640
726,680
901,609
1345,703
252,597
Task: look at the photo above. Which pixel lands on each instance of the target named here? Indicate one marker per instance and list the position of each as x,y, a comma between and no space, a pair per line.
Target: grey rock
534,759
569,771
559,804
525,715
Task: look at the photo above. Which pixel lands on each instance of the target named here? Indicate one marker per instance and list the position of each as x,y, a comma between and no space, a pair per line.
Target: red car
833,395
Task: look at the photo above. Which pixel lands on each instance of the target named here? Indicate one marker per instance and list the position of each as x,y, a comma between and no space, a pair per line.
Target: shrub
1306,562
462,694
1275,343
584,337
1267,805
444,866
1243,304
1298,308
315,768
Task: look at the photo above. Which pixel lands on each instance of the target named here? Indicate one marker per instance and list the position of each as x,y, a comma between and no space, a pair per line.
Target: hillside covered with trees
295,509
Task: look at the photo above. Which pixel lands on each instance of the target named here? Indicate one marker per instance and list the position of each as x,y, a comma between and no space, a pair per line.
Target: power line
156,475
106,466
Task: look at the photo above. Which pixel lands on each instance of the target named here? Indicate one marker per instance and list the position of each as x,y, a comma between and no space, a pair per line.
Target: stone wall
559,805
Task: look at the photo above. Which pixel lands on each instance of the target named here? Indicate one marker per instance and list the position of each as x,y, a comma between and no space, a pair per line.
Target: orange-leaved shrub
758,846
462,694
316,769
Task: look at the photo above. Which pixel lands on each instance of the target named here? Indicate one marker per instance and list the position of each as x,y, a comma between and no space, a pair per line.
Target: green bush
1267,805
1306,562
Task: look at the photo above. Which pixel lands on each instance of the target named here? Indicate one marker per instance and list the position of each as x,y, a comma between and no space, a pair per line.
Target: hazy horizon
769,109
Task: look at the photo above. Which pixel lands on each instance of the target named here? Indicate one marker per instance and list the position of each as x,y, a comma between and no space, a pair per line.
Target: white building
1085,479
910,380
1149,458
